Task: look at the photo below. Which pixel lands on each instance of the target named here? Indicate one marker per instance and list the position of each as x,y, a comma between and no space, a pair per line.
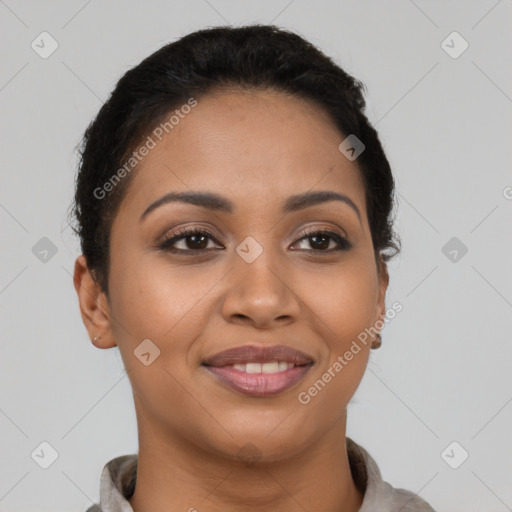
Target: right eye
195,240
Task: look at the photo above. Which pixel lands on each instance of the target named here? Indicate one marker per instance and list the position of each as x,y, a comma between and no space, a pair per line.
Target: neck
175,475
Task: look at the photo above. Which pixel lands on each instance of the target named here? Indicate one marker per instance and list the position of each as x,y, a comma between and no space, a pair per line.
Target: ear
93,305
383,277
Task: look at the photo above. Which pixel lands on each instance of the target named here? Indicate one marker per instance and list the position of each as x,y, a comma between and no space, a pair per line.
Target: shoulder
379,495
94,508
117,483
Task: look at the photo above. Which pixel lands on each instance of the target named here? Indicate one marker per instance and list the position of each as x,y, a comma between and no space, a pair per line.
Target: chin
265,444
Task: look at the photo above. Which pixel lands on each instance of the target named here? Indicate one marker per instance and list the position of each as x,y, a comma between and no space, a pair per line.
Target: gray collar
118,478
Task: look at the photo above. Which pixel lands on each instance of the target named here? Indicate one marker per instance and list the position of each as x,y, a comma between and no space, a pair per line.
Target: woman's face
254,279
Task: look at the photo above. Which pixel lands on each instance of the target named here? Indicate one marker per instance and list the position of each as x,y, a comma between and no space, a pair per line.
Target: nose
260,294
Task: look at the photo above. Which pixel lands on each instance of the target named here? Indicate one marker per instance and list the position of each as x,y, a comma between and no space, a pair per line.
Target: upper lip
257,354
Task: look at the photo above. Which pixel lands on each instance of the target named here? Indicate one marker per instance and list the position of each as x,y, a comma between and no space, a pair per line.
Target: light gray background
443,373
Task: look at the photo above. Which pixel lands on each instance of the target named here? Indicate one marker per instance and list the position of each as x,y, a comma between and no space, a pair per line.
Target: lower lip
260,384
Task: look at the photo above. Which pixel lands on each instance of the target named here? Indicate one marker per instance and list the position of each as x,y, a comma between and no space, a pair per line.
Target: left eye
321,240
196,240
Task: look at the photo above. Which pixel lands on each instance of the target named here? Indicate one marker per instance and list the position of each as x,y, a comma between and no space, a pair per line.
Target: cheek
152,295
166,304
345,303
345,309
156,302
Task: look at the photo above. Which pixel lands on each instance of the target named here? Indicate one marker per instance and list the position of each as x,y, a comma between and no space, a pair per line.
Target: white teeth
272,367
269,367
253,367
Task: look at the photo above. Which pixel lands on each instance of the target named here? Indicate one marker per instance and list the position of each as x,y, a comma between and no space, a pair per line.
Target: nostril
241,316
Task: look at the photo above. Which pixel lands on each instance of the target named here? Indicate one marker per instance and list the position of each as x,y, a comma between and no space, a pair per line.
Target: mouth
259,371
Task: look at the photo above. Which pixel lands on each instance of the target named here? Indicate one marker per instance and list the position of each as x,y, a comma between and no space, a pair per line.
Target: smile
259,384
259,370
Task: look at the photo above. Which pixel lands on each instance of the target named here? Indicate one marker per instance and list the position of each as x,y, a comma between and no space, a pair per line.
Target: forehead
257,147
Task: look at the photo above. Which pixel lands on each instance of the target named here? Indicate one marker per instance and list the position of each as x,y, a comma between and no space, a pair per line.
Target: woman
234,209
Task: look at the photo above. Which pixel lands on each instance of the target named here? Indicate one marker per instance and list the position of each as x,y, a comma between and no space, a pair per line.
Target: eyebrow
215,202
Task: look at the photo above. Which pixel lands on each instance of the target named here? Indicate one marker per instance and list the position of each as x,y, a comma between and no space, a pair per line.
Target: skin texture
257,149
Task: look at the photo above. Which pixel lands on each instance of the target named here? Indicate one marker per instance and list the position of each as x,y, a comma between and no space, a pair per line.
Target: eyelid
315,229
183,231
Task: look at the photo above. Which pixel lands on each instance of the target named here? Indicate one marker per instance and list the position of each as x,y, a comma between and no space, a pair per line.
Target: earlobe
93,306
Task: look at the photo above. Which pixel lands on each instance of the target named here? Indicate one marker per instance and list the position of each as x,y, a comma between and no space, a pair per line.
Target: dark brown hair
249,57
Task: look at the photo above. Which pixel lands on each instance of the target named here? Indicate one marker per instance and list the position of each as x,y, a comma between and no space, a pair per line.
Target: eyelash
166,245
